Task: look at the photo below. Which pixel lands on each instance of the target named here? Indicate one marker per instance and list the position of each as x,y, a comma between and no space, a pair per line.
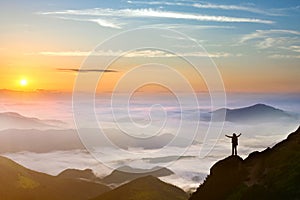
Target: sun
23,82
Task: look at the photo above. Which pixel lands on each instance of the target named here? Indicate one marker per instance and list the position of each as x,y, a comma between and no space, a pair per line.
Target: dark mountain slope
271,174
145,188
18,182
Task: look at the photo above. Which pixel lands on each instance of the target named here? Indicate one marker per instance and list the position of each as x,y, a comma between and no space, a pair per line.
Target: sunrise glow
23,82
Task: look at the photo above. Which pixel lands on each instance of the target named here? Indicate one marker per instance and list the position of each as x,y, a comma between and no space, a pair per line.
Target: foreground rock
271,174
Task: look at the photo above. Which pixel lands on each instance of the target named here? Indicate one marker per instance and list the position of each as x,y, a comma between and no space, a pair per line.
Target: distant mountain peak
261,106
253,106
253,114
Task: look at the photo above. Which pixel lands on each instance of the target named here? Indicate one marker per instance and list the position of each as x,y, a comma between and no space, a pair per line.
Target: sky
254,44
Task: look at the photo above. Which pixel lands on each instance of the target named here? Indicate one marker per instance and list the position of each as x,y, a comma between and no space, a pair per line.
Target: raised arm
239,135
228,136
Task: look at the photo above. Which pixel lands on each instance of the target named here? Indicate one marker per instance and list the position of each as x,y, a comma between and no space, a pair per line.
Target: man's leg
232,150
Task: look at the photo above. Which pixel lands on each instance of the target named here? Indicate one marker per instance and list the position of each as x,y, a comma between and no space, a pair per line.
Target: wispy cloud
287,9
204,5
236,7
265,33
283,56
101,22
158,3
152,13
163,54
283,43
211,55
106,23
279,42
294,48
188,26
85,70
151,53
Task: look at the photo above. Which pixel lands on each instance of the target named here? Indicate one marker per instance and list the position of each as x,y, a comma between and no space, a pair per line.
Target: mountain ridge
256,113
14,120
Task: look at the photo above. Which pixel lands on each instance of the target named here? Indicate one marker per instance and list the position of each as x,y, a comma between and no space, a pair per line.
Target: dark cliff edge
271,174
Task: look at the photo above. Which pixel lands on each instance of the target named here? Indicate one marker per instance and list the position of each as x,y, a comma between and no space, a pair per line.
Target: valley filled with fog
39,132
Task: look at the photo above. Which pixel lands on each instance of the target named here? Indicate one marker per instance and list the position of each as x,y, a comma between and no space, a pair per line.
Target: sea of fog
194,147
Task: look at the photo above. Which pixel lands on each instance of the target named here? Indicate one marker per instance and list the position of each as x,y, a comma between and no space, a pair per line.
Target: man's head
234,134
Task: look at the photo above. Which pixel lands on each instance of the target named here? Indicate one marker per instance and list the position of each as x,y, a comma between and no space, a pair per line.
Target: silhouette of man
234,142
